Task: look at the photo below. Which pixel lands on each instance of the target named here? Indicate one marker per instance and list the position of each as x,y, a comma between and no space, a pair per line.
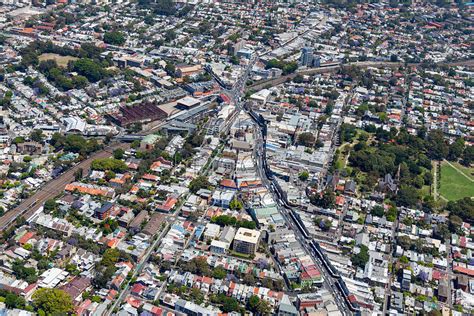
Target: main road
328,281
54,187
235,94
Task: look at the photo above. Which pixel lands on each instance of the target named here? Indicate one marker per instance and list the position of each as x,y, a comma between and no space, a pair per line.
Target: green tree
392,214
78,174
235,204
135,144
114,38
228,304
404,242
298,78
286,67
111,164
468,156
377,210
324,224
25,273
224,220
456,149
219,273
196,295
263,308
18,140
198,183
303,175
50,206
14,301
437,147
109,175
434,313
441,231
37,135
119,153
43,264
407,196
90,69
464,208
361,258
249,279
326,200
404,260
348,132
170,69
253,302
247,224
72,269
110,257
53,301
258,306
306,139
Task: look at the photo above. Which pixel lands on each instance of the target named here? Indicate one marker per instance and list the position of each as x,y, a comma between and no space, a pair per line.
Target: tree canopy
111,164
361,258
74,143
325,200
306,139
286,67
53,301
258,306
227,220
199,183
463,208
114,38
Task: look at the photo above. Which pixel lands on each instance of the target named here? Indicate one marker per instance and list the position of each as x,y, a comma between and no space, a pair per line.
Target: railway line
52,188
336,281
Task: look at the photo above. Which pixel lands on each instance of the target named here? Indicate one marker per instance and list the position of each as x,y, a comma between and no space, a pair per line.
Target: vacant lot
455,183
60,60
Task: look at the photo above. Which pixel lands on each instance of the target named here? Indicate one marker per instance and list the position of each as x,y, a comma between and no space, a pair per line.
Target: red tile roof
24,239
463,270
228,183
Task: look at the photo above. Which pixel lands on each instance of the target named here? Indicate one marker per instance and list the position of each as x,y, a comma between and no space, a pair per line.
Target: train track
52,188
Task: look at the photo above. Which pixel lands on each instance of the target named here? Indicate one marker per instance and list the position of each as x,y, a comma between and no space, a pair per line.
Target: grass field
456,183
425,190
60,60
467,171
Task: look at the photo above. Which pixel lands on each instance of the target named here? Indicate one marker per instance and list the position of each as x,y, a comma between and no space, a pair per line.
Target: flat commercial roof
189,102
247,235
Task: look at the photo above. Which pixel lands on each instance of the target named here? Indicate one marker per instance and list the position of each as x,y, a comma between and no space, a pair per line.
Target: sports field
60,60
456,181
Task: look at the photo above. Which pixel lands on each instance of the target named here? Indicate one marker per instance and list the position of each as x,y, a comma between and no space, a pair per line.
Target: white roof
247,235
74,124
212,229
220,244
52,277
189,101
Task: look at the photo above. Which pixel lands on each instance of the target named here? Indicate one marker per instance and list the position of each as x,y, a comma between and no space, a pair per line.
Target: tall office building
235,47
307,56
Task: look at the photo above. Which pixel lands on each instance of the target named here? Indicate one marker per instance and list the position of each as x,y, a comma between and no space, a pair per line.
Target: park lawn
62,61
425,190
341,159
468,171
454,185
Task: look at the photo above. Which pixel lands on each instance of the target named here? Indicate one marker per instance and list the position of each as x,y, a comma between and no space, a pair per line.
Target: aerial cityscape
207,157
